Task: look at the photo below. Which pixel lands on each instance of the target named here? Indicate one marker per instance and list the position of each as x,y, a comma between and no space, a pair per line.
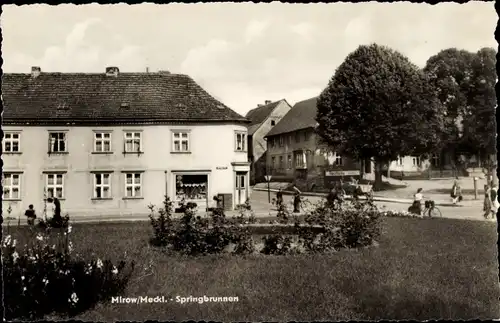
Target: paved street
261,207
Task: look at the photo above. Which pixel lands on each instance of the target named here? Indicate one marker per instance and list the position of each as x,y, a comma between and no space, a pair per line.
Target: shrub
45,277
194,235
277,244
162,224
343,226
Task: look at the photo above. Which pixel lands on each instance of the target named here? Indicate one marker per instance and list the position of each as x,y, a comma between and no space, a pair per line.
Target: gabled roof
259,114
301,116
128,97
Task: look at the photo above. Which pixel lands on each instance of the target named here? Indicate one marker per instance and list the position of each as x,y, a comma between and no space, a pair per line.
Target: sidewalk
381,198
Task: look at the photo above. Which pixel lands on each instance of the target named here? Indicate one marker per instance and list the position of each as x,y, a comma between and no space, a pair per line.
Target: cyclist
417,206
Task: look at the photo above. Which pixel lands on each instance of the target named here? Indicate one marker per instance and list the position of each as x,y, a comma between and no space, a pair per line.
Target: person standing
296,200
279,197
487,204
456,192
57,211
30,214
494,200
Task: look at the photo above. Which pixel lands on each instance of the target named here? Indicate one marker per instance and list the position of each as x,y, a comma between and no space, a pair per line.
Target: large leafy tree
479,126
379,106
450,72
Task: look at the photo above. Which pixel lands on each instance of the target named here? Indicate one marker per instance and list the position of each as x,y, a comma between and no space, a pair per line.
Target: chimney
267,101
112,71
147,69
35,71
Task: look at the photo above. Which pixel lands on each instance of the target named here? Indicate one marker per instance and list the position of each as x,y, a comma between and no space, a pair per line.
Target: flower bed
44,276
327,227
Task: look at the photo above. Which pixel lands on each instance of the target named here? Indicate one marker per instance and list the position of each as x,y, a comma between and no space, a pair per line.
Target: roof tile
55,97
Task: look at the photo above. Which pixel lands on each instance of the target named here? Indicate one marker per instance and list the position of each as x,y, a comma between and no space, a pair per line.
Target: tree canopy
479,126
379,105
465,85
450,73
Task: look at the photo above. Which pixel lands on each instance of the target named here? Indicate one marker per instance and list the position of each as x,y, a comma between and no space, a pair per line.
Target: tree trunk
379,170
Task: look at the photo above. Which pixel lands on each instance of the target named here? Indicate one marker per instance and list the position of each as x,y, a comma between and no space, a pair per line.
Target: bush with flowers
194,235
45,276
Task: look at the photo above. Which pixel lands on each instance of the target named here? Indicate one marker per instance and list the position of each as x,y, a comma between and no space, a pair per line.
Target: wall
212,150
317,160
259,144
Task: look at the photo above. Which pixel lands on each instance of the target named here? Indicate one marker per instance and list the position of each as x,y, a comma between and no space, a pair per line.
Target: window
241,141
11,142
273,161
289,162
191,186
338,160
281,165
400,161
307,135
281,141
273,122
297,136
54,185
181,141
102,185
57,142
133,185
416,161
133,142
11,186
289,139
300,160
102,142
270,142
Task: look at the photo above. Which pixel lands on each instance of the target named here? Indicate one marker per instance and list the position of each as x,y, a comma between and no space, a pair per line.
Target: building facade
114,143
296,154
262,120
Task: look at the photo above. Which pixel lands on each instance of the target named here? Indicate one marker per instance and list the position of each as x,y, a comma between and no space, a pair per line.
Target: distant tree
479,119
379,106
479,135
450,73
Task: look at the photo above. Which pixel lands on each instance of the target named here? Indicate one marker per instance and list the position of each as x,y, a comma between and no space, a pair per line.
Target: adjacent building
262,119
295,153
112,143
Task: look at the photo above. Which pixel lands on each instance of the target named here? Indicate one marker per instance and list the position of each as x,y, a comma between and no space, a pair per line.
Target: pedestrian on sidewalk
487,204
30,214
296,200
494,200
456,191
279,197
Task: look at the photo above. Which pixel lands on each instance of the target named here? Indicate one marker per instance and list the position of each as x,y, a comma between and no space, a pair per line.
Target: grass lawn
422,269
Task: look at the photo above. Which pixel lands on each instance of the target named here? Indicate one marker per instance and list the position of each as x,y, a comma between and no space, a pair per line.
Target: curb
348,197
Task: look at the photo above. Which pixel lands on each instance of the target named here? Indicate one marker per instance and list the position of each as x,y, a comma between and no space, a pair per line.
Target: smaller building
296,154
262,119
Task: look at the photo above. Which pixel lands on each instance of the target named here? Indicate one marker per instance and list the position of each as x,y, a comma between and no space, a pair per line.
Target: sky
241,53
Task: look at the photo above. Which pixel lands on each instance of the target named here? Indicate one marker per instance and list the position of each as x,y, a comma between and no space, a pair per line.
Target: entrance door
241,189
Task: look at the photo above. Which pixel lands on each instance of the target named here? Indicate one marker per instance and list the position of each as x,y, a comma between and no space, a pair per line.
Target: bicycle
431,209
